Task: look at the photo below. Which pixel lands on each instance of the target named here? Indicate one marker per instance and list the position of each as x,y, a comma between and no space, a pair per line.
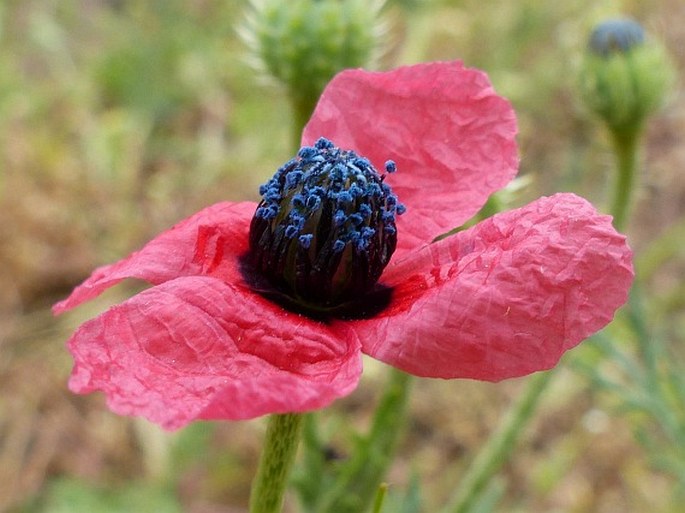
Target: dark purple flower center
325,227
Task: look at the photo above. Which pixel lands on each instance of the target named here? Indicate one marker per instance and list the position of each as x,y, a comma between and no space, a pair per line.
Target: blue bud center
325,227
616,36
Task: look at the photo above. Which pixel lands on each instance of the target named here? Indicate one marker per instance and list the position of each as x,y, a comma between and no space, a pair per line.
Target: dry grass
91,166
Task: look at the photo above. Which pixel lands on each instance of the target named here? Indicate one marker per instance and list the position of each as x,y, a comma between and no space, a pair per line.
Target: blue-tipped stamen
325,228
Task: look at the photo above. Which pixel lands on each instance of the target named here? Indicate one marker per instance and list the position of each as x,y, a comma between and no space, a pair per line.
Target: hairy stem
499,446
280,446
625,149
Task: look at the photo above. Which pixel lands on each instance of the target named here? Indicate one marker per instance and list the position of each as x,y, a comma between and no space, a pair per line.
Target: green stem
417,40
358,483
280,446
625,149
499,446
380,497
302,111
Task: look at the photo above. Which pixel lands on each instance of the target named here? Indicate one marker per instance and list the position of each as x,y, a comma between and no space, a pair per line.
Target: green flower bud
304,43
625,75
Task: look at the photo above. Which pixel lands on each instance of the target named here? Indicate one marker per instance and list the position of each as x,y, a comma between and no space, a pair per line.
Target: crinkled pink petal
207,243
198,348
507,297
451,135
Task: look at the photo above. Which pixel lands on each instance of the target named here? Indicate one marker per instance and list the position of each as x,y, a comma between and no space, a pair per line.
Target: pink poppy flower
231,329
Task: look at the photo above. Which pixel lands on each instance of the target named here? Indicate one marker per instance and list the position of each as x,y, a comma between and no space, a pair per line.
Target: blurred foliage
68,496
120,117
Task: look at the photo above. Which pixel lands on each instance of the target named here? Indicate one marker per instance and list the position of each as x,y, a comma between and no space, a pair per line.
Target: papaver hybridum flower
230,328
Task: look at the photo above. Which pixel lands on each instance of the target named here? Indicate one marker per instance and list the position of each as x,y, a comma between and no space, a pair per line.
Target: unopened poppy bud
325,227
304,43
625,74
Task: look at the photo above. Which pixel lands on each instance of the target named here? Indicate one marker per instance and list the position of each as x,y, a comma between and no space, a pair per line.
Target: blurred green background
120,117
